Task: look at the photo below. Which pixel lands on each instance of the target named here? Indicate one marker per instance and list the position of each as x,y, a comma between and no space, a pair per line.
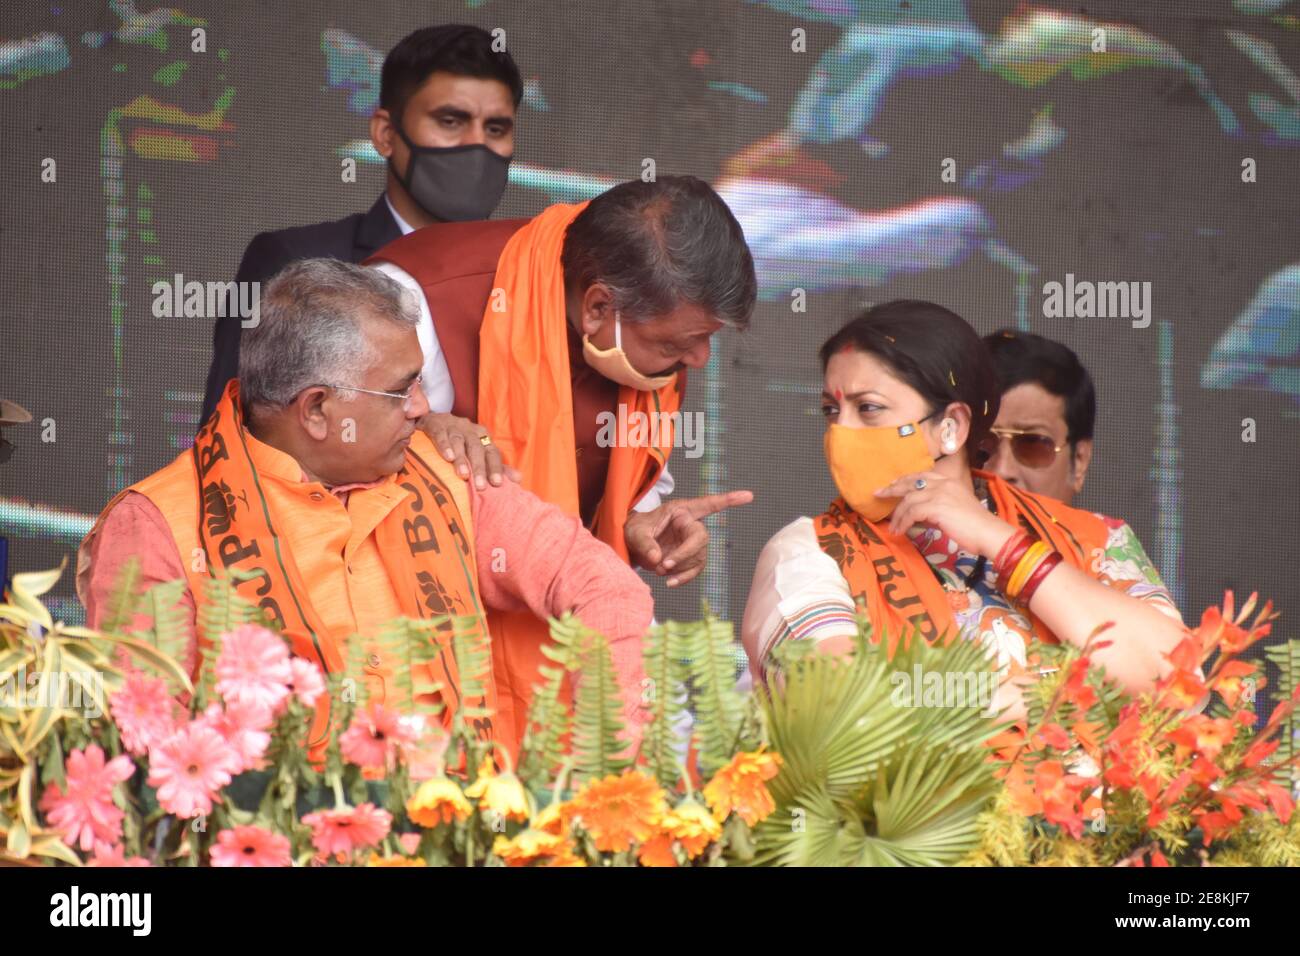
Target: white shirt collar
402,224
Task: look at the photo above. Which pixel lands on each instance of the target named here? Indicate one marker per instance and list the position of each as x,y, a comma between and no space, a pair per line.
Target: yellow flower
527,846
438,800
377,860
553,819
692,826
738,787
501,794
620,811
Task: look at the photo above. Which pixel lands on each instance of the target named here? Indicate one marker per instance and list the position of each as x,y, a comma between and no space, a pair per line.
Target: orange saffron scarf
424,543
892,580
525,401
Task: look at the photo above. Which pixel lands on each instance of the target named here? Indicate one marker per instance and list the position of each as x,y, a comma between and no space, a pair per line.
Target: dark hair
451,48
661,244
1020,357
933,350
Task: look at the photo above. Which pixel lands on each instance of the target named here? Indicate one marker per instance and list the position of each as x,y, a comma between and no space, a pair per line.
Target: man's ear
595,308
1079,463
309,407
382,133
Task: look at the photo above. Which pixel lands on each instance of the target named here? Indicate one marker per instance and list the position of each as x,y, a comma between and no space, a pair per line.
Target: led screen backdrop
970,153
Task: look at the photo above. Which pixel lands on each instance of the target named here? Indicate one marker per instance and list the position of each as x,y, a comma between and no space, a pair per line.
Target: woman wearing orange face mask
921,540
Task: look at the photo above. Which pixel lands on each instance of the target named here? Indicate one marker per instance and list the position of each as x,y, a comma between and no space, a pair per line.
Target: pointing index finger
712,504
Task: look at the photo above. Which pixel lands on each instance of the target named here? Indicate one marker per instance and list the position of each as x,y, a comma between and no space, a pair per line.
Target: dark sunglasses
1031,449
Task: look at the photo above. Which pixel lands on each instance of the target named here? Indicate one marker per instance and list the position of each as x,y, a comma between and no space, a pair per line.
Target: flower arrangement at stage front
1187,774
133,765
141,767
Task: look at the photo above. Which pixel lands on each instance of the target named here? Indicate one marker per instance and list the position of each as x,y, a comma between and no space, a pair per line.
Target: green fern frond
169,627
542,749
718,707
597,747
1286,657
473,654
223,609
549,720
124,598
407,646
663,650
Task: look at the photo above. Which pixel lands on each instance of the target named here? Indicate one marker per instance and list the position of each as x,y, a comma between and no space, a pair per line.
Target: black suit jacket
351,239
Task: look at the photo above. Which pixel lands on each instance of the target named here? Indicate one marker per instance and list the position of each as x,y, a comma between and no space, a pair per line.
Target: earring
949,446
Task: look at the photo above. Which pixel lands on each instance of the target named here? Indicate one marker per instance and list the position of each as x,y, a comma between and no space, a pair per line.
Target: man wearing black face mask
445,124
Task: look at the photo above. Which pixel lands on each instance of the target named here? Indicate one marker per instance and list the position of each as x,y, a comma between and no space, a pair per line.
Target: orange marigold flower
738,787
377,860
657,851
437,800
619,811
566,857
528,846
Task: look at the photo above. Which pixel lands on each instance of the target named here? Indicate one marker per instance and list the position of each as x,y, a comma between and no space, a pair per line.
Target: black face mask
454,183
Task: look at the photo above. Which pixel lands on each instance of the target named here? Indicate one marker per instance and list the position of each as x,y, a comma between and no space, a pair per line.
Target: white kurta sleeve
798,593
656,495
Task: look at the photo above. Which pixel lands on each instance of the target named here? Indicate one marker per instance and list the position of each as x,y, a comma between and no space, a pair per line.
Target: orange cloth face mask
865,459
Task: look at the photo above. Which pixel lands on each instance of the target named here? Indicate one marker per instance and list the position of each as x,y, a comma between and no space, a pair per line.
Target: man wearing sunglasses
312,486
1042,439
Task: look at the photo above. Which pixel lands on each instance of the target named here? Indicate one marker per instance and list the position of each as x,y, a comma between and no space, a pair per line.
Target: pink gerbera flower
243,728
373,737
114,855
253,667
342,832
190,767
85,813
144,711
305,682
250,846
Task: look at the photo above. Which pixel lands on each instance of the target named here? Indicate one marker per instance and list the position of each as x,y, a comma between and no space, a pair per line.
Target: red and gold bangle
1045,567
1017,537
1024,567
1005,563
